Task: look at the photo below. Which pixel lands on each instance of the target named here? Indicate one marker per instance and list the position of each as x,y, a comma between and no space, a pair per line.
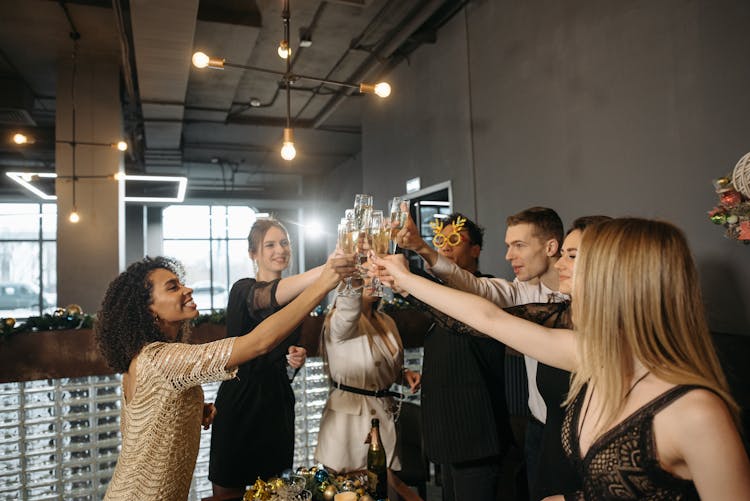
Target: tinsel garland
69,318
72,317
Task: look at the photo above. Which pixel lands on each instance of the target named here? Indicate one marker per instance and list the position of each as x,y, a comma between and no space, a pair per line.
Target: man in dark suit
465,418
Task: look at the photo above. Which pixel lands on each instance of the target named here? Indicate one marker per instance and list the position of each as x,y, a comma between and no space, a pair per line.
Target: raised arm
555,347
290,287
278,326
344,319
409,238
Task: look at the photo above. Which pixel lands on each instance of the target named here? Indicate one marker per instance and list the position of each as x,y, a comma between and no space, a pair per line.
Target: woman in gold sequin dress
140,328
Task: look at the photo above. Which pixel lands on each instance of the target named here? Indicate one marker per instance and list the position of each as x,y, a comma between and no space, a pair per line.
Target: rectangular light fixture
181,187
25,179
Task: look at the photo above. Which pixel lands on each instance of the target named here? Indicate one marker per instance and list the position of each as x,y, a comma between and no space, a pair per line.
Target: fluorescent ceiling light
25,179
181,188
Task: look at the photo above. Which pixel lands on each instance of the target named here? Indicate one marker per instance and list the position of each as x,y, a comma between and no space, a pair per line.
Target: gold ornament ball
366,497
73,309
10,321
59,312
329,492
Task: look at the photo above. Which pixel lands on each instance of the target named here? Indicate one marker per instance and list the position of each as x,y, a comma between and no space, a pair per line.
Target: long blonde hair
637,295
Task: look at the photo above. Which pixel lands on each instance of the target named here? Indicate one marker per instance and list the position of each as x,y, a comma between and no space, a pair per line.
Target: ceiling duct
16,102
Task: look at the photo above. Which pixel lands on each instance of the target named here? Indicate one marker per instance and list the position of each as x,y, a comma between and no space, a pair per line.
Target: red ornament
744,233
730,198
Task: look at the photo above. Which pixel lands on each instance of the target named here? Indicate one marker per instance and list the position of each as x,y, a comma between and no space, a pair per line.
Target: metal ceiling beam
379,55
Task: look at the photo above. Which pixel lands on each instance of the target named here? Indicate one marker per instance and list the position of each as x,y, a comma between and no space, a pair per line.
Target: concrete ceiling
221,128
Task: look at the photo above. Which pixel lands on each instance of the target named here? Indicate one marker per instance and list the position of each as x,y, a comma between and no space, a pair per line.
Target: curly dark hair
124,324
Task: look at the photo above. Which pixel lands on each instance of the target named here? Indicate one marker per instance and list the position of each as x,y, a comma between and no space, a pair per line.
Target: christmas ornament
744,233
741,175
730,198
321,475
329,492
73,309
347,485
10,322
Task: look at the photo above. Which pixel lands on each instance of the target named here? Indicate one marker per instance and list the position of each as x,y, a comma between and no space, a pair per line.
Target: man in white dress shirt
533,239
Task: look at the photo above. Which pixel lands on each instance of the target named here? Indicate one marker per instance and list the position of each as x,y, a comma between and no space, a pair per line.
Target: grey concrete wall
596,106
333,196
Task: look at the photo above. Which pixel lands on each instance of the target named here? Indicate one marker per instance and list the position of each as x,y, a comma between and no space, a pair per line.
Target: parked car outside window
15,295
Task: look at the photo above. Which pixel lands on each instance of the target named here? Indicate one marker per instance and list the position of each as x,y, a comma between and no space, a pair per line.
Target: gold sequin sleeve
161,424
186,365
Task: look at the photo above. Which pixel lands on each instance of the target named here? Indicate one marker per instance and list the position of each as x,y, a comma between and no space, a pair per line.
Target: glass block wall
59,438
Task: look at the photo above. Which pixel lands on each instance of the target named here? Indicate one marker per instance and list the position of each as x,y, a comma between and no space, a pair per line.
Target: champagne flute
362,211
362,216
380,243
347,239
399,210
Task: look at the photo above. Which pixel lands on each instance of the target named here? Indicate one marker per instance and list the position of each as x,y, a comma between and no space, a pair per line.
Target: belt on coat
370,393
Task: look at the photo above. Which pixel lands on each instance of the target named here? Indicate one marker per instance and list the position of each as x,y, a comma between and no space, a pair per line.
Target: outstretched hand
408,237
338,267
389,268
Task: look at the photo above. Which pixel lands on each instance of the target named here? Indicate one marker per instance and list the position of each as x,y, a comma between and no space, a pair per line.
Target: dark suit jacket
464,413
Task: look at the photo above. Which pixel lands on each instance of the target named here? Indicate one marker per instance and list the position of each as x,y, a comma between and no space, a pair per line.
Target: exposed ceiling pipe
128,74
374,59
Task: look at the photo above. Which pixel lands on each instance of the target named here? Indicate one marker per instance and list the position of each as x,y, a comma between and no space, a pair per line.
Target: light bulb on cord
20,138
200,60
284,50
203,60
383,89
121,145
288,151
74,217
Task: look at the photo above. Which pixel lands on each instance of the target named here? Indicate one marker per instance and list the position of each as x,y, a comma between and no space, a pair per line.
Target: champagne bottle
377,473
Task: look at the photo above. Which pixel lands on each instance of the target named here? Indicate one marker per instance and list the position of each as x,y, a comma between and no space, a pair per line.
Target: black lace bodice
554,315
622,464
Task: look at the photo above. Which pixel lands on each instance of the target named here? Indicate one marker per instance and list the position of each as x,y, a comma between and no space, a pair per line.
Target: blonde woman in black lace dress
649,414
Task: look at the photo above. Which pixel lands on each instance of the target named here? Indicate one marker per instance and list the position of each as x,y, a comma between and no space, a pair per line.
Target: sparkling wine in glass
347,240
380,236
380,233
399,213
362,211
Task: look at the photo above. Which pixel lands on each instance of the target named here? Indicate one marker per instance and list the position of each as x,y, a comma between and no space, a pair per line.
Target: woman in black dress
253,432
